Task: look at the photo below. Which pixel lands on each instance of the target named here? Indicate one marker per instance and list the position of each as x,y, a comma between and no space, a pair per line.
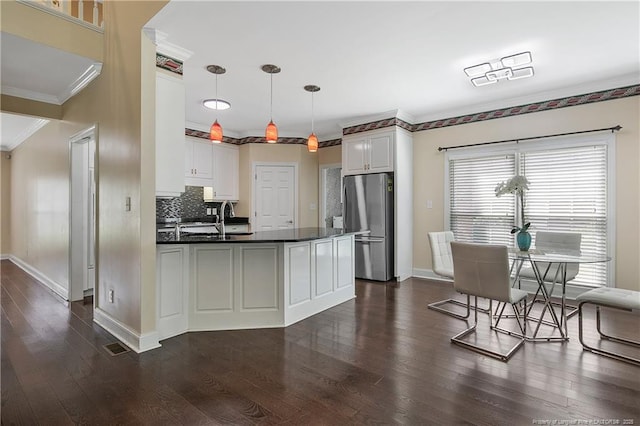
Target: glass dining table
550,271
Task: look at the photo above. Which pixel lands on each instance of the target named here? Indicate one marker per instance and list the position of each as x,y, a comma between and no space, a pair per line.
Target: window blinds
568,192
476,214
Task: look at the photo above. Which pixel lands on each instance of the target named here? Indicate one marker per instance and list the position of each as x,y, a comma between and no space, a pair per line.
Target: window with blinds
567,192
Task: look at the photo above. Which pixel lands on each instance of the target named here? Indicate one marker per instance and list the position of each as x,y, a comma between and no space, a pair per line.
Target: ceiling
374,57
38,72
42,73
16,128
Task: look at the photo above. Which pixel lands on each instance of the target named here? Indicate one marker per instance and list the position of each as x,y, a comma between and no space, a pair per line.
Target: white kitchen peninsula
267,279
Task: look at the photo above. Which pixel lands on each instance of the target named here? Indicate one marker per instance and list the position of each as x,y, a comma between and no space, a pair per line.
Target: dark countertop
279,236
199,221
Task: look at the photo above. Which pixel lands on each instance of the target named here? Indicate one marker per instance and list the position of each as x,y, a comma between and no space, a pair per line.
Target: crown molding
92,72
165,47
394,113
31,95
24,135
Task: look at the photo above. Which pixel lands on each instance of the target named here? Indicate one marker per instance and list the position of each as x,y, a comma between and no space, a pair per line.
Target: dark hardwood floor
383,358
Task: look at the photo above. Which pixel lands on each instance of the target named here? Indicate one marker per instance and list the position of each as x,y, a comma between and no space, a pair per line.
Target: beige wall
5,203
429,171
21,20
307,177
40,201
114,101
29,107
330,155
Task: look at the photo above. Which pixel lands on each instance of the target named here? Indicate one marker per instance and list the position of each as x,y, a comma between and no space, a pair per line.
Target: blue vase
524,240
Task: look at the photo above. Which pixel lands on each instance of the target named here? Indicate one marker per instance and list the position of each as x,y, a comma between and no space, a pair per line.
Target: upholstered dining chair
482,270
551,241
559,242
442,264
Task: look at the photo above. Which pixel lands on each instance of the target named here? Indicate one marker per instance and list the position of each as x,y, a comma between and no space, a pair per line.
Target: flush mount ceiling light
509,67
218,104
312,141
271,132
215,133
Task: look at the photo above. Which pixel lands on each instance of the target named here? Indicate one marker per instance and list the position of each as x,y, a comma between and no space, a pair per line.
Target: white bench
626,300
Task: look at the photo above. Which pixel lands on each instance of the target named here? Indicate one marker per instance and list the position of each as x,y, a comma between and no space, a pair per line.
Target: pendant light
215,134
271,133
312,141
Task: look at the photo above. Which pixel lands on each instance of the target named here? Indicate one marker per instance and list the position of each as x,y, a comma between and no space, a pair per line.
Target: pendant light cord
311,112
217,99
271,104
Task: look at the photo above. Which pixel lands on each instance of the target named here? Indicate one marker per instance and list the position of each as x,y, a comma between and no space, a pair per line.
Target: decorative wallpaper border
167,63
588,98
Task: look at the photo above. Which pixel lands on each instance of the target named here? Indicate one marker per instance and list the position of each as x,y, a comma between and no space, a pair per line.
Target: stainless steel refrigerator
368,205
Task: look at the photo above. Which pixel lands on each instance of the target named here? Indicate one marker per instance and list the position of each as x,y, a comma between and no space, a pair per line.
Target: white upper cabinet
226,165
368,153
198,162
169,135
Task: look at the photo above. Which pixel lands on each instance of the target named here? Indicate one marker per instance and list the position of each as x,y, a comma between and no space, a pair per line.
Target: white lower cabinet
250,285
172,292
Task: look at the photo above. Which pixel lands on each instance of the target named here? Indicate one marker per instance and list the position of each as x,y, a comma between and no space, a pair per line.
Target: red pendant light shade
271,133
312,143
215,134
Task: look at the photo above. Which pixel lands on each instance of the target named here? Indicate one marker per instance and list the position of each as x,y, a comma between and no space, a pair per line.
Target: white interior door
82,215
275,196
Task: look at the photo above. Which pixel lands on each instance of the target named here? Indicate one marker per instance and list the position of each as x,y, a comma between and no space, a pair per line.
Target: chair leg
598,351
457,339
437,306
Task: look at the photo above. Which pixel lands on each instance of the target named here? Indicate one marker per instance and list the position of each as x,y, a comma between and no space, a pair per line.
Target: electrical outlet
214,210
111,296
429,204
209,211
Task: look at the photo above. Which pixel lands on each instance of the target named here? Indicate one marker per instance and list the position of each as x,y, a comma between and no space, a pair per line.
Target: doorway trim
254,172
76,290
322,191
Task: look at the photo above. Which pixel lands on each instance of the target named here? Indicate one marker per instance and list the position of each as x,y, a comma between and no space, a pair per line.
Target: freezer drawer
372,258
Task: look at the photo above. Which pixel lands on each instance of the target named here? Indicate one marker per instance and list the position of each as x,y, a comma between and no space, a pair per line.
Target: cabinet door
188,159
225,172
172,289
380,154
202,160
354,156
169,135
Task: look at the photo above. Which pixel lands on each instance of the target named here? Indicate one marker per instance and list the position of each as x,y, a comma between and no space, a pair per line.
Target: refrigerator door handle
344,203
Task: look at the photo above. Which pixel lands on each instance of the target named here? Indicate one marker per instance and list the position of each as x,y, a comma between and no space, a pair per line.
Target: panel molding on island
240,286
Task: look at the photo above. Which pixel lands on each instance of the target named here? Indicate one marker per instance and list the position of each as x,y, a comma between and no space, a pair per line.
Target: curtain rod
613,129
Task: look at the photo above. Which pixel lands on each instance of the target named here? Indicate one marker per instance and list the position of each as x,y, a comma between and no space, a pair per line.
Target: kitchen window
571,189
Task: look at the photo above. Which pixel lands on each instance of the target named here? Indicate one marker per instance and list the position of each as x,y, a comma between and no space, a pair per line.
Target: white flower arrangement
516,185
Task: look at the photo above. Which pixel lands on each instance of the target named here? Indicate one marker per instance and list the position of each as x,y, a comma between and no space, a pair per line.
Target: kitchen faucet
220,223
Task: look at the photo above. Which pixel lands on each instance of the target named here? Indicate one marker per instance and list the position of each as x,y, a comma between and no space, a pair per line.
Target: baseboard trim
41,277
137,342
429,275
4,257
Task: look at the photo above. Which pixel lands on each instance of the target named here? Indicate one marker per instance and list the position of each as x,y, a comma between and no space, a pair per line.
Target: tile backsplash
189,205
